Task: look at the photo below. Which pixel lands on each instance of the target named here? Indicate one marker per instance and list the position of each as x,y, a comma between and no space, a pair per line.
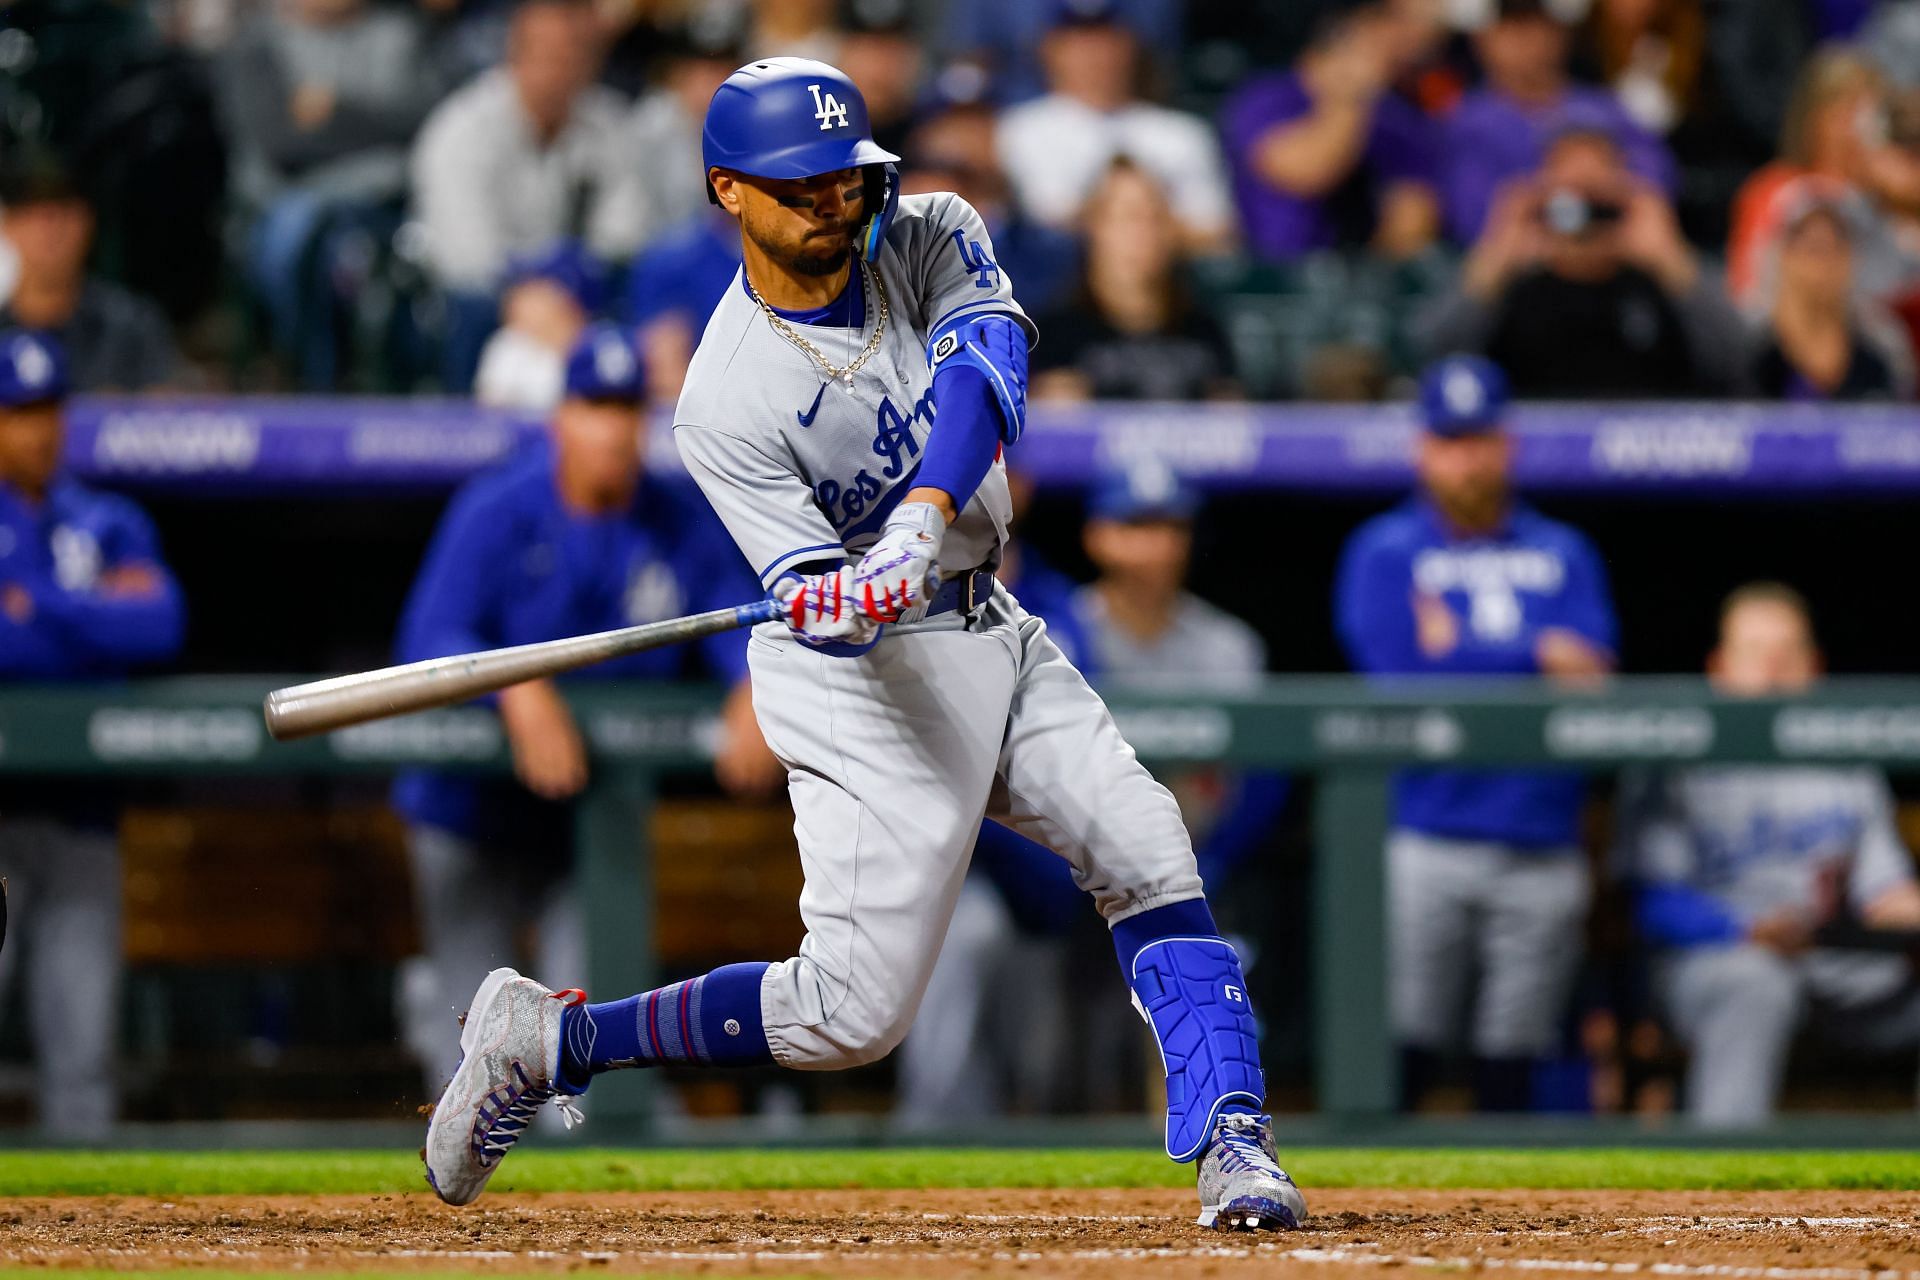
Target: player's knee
1758,986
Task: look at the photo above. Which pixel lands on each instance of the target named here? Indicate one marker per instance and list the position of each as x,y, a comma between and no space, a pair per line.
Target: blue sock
712,1020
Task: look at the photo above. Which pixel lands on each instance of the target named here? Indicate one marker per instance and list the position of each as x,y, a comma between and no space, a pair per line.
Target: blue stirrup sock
1187,983
713,1020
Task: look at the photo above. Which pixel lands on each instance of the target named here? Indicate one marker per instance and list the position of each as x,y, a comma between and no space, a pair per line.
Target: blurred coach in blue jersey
570,537
83,596
1486,879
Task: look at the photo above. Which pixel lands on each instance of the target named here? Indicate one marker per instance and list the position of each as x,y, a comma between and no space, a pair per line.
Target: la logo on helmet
827,109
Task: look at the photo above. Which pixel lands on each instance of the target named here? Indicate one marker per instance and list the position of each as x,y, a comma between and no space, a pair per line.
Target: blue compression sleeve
966,434
1679,915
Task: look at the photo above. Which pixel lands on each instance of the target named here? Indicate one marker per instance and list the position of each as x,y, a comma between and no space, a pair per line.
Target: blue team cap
33,369
604,365
1145,491
567,264
1084,13
1463,396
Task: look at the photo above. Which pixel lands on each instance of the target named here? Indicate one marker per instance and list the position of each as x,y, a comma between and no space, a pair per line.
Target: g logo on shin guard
1193,994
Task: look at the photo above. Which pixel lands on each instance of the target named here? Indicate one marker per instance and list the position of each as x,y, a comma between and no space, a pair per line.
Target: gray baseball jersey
803,468
1769,838
891,754
1205,647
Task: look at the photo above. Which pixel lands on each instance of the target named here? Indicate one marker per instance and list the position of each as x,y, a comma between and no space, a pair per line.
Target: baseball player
845,414
570,538
1484,870
83,595
1736,866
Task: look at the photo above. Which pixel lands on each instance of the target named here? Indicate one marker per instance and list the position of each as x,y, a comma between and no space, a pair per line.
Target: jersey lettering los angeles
804,470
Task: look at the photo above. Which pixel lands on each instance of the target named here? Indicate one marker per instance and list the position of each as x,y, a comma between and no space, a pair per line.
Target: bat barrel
302,710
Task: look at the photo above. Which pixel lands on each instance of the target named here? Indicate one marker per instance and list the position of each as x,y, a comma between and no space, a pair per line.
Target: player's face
804,225
552,54
1766,647
30,439
1148,555
1467,477
597,448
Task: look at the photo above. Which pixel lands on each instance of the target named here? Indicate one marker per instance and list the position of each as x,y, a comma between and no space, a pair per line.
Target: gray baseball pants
891,757
63,882
1501,925
1737,1008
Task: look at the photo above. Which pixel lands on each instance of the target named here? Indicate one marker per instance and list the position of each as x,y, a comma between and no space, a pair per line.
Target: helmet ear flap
882,192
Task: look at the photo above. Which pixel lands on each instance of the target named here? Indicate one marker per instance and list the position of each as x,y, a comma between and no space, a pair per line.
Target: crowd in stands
1708,198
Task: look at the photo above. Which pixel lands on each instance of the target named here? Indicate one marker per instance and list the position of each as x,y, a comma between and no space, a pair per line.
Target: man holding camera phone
1581,286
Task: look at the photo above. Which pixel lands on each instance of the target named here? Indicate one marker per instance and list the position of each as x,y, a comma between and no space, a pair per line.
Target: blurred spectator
1501,129
880,52
570,538
1133,333
1740,867
1582,285
795,29
1485,872
953,150
1757,50
1140,621
1835,128
664,126
1329,155
523,155
673,288
1649,53
113,340
139,124
1008,37
1823,339
323,97
1056,149
545,307
83,595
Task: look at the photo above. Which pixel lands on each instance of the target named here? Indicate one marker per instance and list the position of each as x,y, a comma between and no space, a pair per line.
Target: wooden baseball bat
335,703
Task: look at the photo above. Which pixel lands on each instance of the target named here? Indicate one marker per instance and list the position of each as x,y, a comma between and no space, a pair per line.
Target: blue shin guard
1190,989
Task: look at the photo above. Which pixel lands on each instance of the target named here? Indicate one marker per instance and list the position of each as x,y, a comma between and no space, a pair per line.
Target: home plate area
1765,1235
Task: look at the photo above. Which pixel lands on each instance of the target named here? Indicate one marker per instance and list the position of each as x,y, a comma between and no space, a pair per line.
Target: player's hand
1435,628
1568,656
1784,932
821,610
1511,241
743,763
549,756
311,106
16,602
895,574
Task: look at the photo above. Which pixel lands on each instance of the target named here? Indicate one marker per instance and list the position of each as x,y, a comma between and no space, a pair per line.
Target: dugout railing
1350,735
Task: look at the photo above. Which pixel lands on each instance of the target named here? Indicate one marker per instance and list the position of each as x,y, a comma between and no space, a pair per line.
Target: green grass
45,1173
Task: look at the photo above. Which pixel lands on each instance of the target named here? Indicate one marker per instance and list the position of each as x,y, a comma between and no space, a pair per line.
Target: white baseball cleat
509,1062
1242,1186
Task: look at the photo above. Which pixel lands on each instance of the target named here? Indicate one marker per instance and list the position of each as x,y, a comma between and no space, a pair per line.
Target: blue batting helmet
794,118
1463,396
789,118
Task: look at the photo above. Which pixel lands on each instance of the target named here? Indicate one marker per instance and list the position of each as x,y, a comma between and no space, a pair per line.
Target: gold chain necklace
792,335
